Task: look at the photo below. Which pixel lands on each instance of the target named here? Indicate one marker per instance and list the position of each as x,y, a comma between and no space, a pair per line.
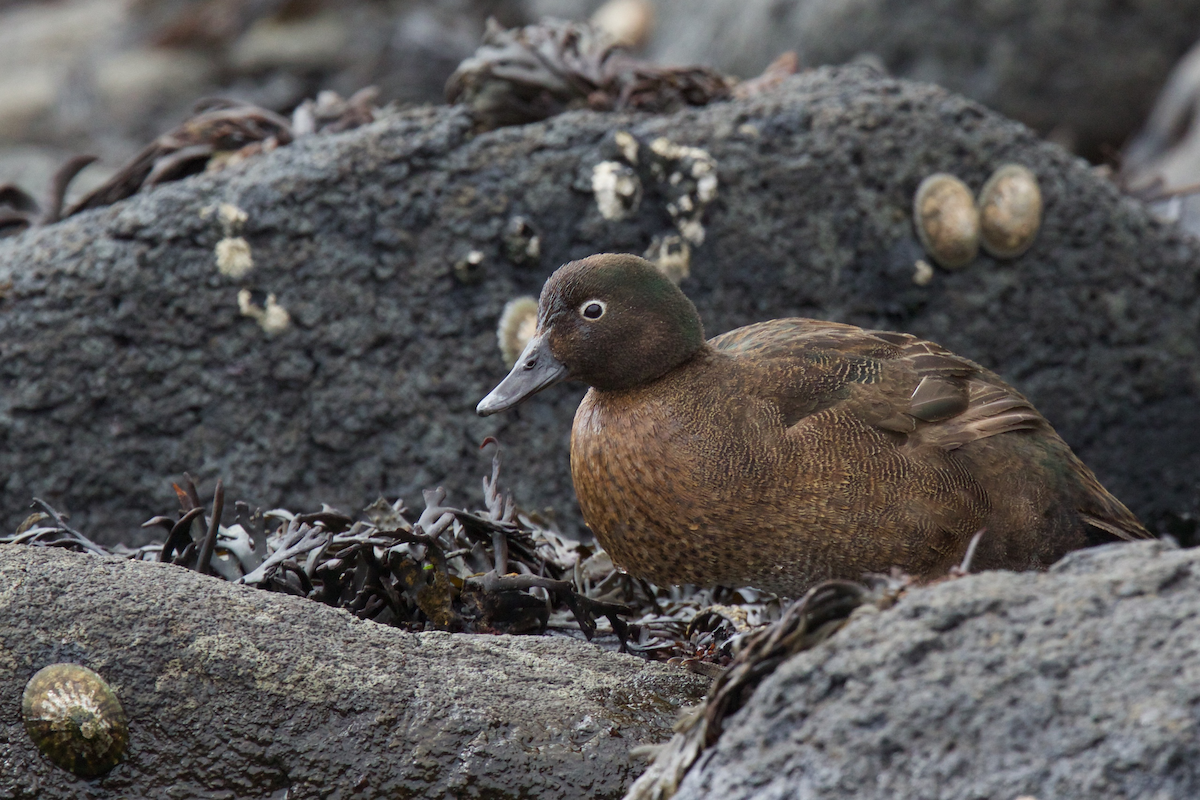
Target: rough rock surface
1081,683
235,692
124,358
1088,68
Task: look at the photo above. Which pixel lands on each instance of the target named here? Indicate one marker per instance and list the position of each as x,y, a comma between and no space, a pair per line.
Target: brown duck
793,451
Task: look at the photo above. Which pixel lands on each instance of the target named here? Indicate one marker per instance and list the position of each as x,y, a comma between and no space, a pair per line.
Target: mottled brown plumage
794,451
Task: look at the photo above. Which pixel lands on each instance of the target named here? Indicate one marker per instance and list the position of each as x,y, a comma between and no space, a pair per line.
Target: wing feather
910,387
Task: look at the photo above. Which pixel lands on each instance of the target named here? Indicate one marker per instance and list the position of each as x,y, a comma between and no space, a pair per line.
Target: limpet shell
1010,211
947,220
75,719
518,322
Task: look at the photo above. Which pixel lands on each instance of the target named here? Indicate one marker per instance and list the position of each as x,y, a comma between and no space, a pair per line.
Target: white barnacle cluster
689,175
672,255
617,189
628,146
685,176
271,317
234,259
232,217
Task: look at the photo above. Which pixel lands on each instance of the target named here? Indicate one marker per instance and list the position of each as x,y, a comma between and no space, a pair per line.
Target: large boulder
133,347
236,692
1073,685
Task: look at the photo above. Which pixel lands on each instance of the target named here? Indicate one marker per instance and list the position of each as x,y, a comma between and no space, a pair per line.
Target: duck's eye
592,309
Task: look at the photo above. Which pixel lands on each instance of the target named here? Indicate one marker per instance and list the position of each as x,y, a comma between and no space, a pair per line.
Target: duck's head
612,321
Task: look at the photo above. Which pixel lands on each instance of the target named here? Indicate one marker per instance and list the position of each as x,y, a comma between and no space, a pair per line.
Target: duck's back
794,450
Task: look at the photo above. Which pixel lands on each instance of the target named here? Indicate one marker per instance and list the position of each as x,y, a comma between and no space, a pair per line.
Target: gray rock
1087,68
1162,163
235,692
124,357
1076,684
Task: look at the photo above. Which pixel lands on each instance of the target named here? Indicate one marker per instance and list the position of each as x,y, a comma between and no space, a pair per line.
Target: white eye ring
586,307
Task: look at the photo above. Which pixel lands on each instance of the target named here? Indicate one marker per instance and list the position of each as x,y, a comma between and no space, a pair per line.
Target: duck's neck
691,366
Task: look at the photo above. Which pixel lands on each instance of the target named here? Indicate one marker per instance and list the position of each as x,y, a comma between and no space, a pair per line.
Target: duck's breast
678,486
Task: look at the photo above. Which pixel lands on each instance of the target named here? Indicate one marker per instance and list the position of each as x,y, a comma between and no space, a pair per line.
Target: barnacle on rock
922,272
684,177
617,189
522,244
517,324
231,218
671,255
468,270
627,143
1010,211
75,719
947,220
688,177
271,316
234,258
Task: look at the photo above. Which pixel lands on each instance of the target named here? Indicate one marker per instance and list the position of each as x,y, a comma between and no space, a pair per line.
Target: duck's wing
893,381
908,386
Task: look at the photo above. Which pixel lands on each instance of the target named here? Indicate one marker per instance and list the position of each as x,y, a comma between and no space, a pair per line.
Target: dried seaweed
531,73
812,619
217,126
495,569
19,210
219,133
330,113
805,624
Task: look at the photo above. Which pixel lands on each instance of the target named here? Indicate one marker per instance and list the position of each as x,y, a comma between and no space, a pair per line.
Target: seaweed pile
522,75
526,74
218,134
812,619
494,570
